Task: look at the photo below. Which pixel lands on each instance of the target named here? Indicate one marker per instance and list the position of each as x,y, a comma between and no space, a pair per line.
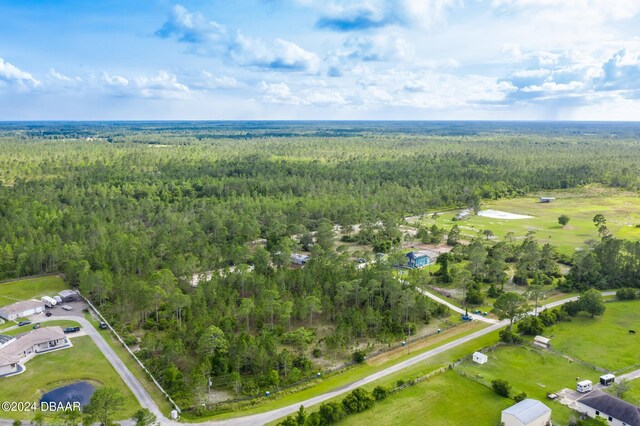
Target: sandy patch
497,214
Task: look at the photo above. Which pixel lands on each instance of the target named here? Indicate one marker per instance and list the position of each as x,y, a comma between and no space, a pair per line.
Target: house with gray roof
616,411
14,352
528,412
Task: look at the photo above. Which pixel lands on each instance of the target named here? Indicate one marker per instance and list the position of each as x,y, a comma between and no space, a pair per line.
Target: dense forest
129,212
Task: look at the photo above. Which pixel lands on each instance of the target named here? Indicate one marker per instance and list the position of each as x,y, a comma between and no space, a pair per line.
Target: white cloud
12,75
164,85
568,10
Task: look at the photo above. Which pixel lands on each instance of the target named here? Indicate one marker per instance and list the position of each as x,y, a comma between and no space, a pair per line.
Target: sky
320,60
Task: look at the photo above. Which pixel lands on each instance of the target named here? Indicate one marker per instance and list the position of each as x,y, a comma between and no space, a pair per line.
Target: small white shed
480,358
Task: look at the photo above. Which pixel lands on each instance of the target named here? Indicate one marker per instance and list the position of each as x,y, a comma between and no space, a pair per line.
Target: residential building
21,309
528,412
616,411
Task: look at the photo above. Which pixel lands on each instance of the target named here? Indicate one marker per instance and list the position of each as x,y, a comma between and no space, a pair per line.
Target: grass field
536,373
45,372
441,400
604,341
14,291
622,210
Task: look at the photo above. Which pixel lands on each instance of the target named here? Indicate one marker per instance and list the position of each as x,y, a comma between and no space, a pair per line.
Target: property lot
531,371
604,341
621,209
30,288
82,362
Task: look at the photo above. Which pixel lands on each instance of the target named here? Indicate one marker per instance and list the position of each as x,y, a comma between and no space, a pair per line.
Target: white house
16,351
480,358
299,259
616,411
528,412
21,309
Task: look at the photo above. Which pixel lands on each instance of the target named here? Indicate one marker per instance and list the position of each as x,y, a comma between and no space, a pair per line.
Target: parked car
102,326
71,329
48,314
67,308
22,323
36,326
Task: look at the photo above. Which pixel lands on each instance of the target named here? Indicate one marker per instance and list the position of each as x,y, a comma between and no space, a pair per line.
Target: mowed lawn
45,372
534,372
445,399
30,288
621,209
603,341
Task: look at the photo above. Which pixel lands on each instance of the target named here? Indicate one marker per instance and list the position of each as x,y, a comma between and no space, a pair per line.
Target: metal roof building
528,412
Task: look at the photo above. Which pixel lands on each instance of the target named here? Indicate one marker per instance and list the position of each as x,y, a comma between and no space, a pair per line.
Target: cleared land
534,372
441,400
30,288
48,371
622,210
604,341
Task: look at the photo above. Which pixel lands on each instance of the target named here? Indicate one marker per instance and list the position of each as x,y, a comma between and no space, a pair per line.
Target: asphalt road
262,418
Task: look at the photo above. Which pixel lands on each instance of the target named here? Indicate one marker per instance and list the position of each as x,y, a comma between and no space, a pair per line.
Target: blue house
418,259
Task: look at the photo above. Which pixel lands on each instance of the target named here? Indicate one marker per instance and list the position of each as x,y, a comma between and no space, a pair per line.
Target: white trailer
49,302
584,386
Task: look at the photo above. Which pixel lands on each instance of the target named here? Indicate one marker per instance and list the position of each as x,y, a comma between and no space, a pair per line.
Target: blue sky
320,59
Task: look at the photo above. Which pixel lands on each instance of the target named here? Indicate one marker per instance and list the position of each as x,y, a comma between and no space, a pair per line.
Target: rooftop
30,339
20,307
612,406
527,410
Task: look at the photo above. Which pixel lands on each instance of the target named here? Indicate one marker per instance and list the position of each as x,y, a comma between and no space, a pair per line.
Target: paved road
132,382
262,418
455,308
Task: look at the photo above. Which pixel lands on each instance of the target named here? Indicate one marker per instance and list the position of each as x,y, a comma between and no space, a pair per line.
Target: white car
67,308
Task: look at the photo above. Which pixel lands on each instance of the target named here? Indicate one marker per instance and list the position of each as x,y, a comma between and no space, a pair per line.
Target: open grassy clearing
604,341
358,372
534,372
30,288
45,372
622,210
441,400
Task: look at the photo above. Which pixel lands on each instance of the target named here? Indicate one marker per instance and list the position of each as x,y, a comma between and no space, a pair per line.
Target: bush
400,383
317,353
331,412
358,356
548,317
357,401
626,294
380,393
520,397
531,326
506,336
572,308
501,387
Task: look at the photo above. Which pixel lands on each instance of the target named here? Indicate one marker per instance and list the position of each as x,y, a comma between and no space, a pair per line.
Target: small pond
76,392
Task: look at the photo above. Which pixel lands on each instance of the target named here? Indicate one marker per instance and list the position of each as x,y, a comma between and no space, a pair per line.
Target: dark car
71,329
21,323
102,326
48,314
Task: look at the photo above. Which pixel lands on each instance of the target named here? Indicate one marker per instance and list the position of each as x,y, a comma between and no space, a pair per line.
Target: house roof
30,339
7,359
20,307
612,406
420,253
67,293
527,410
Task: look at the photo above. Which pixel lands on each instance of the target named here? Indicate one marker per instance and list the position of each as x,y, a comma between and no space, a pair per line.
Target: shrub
626,294
501,387
548,317
530,326
357,401
331,412
520,397
358,356
506,336
380,393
